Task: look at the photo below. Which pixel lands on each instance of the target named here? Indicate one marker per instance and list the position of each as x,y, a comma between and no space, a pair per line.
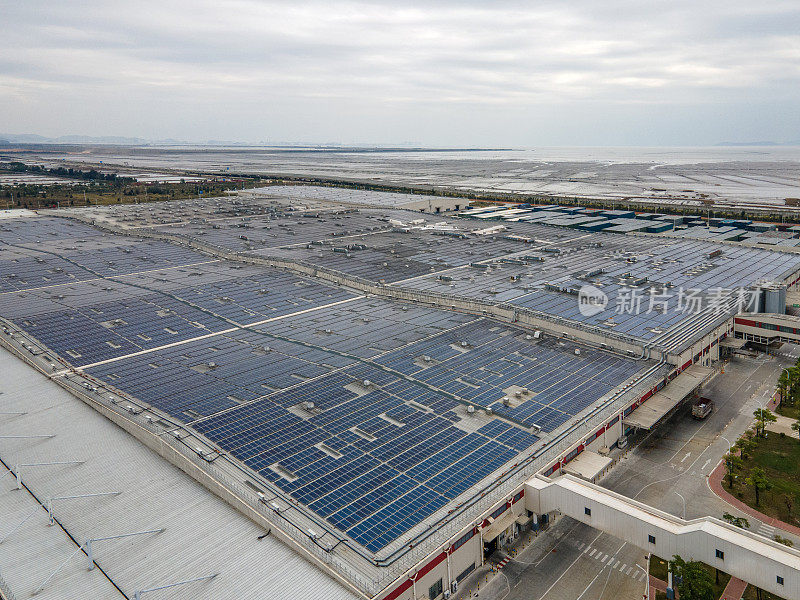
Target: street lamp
684,503
646,582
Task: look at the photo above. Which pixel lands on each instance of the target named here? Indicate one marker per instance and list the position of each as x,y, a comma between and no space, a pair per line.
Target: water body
726,175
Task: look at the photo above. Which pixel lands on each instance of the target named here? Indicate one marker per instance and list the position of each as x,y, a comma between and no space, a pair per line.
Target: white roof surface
203,535
587,465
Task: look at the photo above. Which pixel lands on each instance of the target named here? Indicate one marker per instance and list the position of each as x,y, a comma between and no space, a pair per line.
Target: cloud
182,61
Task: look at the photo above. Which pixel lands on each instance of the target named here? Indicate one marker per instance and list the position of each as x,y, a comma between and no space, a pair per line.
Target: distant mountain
88,139
32,138
24,138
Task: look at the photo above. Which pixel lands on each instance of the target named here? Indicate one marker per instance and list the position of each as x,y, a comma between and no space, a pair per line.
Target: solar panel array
435,261
236,352
560,384
374,459
105,315
335,194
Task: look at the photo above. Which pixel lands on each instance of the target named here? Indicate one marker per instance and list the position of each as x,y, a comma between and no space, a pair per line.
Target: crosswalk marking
609,561
766,530
580,547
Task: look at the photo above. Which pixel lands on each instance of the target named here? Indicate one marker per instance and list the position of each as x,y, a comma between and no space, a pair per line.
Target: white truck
701,408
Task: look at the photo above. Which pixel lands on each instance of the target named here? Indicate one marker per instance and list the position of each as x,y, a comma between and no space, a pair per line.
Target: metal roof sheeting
203,535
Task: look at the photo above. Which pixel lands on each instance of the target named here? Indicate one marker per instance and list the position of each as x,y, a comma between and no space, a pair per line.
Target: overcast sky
442,73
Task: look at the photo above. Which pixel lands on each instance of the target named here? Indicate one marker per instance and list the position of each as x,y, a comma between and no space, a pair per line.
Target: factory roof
202,535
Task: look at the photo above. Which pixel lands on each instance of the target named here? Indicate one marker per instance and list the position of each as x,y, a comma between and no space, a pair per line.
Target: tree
740,522
745,444
760,482
796,427
793,384
763,417
694,582
783,540
733,463
783,386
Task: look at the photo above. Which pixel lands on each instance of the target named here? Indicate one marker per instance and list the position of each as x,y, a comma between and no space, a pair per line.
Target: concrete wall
747,326
437,204
706,349
447,563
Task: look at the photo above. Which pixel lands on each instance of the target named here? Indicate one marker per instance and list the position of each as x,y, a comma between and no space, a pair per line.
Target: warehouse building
370,387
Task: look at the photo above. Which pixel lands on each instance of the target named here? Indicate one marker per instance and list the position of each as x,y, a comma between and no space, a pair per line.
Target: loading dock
655,408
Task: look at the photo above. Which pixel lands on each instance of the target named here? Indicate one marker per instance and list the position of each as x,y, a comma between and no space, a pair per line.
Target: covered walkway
646,415
746,555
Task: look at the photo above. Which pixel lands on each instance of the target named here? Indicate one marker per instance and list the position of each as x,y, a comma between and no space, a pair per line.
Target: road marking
572,564
592,554
766,530
703,468
587,549
628,572
604,559
688,454
581,545
622,568
616,565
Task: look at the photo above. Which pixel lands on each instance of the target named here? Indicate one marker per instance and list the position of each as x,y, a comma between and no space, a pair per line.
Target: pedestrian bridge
753,558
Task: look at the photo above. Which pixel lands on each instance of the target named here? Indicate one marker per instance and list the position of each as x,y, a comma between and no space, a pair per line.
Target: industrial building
376,387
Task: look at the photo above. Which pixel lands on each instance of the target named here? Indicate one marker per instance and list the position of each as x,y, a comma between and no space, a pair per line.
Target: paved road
572,561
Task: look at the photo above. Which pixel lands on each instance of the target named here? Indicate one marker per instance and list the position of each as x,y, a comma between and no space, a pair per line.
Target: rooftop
152,494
